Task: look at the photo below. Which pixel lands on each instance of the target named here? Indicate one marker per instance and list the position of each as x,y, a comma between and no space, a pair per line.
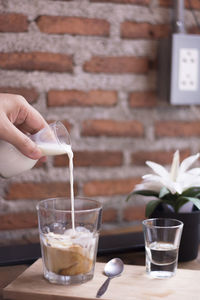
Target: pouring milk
13,162
56,149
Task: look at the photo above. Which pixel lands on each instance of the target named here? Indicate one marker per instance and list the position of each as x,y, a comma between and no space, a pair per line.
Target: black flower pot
189,244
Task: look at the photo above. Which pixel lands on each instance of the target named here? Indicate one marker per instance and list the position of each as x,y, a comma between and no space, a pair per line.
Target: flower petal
175,166
152,186
150,177
178,188
194,171
170,185
187,180
152,180
158,169
187,162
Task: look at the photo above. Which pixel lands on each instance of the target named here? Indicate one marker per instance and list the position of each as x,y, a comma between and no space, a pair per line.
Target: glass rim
57,124
41,203
145,223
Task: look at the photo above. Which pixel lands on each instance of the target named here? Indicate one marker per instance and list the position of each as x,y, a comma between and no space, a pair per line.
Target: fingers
32,120
17,117
21,141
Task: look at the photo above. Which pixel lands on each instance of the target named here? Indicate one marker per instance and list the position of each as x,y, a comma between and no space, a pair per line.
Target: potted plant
171,191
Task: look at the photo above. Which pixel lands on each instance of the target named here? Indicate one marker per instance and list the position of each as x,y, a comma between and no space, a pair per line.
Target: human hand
17,119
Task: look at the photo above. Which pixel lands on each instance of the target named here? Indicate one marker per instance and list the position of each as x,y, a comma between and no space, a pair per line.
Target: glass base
67,280
161,274
161,271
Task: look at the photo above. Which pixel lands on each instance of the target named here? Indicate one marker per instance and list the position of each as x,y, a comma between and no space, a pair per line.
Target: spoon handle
103,288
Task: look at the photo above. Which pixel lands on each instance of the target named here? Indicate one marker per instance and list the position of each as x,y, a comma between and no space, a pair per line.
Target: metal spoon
112,269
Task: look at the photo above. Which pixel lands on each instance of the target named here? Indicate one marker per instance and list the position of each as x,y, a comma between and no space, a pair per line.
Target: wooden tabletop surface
9,273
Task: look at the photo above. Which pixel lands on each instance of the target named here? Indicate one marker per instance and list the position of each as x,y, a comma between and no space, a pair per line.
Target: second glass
162,238
69,255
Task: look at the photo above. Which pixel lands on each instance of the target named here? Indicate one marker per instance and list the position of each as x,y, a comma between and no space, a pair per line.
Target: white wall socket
179,69
188,73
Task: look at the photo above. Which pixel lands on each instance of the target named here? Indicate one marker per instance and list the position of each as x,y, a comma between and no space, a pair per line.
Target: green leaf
147,193
170,202
195,201
191,192
170,197
180,202
163,192
151,205
197,195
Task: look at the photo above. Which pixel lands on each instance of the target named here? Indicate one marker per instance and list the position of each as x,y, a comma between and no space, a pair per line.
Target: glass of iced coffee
69,238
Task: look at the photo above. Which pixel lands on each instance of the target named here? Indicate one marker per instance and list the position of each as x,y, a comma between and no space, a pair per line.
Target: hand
17,119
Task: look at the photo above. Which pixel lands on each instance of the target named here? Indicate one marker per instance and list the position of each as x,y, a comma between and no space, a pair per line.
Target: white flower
177,180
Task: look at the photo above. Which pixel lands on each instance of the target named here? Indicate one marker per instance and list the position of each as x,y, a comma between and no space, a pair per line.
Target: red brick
112,128
109,215
13,23
20,220
81,98
41,190
40,61
30,95
73,25
161,157
119,64
168,3
177,128
91,159
110,187
143,99
136,2
134,213
132,30
193,30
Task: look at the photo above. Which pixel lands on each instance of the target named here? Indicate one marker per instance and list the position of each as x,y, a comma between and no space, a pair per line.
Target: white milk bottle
52,140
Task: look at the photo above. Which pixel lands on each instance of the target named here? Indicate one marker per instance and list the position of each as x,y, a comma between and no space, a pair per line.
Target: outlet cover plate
185,69
188,69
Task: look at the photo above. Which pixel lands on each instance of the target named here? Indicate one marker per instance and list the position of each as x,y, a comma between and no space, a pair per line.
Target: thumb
21,141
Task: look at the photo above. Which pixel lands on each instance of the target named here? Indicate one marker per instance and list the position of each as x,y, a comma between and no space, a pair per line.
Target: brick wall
92,65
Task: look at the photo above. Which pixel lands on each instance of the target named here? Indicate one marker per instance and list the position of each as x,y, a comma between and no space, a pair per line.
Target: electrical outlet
188,69
179,69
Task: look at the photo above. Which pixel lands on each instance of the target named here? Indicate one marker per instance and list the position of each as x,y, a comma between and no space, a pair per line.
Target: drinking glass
69,254
162,238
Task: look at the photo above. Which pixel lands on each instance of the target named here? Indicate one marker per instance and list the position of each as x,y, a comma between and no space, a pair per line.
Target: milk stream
13,162
56,149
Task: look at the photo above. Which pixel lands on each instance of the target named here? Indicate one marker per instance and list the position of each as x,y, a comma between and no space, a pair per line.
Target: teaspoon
112,269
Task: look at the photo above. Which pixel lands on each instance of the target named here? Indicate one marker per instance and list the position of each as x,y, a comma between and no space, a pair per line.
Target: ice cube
82,229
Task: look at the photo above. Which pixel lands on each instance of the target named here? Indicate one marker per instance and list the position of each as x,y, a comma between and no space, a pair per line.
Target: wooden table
9,273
